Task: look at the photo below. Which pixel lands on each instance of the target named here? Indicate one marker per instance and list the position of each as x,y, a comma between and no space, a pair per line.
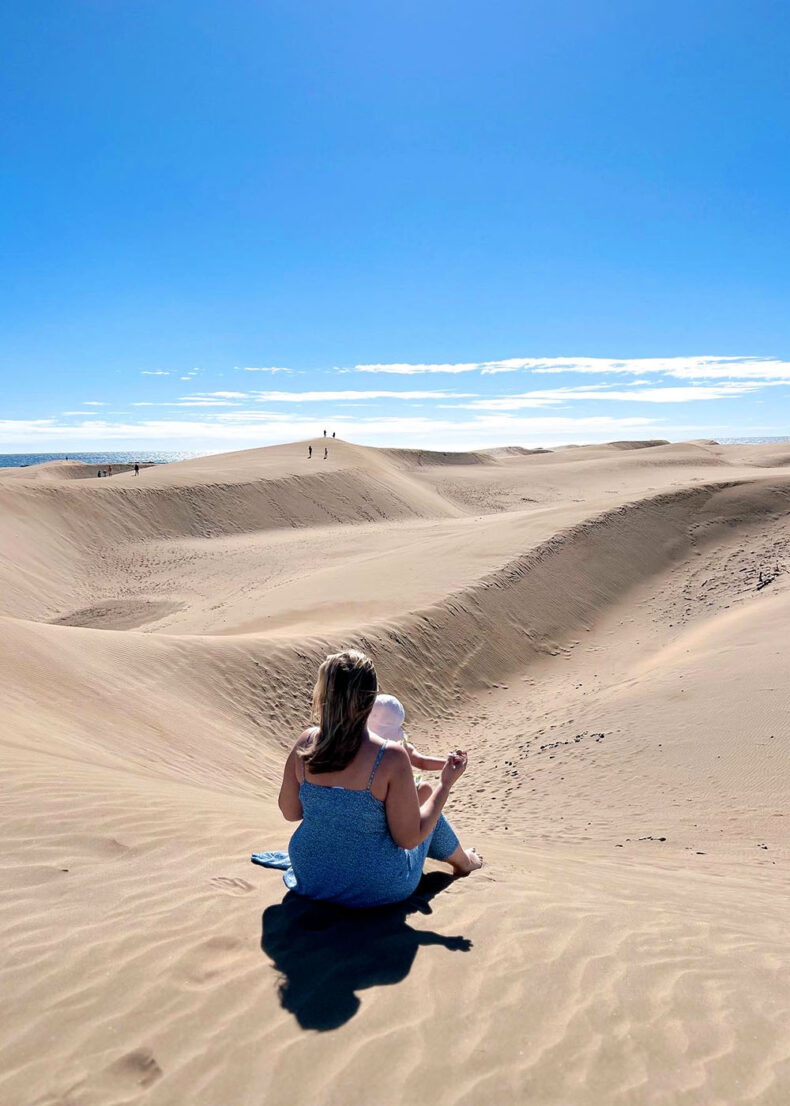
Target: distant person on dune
386,720
136,469
326,452
325,433
333,433
363,835
309,453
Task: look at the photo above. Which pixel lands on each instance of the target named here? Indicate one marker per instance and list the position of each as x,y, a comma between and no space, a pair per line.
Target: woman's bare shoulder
394,756
304,738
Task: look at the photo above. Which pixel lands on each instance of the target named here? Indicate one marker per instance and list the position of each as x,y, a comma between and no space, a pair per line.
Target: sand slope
603,627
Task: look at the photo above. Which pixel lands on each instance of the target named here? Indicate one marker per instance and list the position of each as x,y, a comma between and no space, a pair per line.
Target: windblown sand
604,628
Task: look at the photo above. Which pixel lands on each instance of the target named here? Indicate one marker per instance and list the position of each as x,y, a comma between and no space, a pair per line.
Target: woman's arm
289,802
409,823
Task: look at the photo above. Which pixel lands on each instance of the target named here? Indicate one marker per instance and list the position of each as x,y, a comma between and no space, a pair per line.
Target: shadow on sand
327,953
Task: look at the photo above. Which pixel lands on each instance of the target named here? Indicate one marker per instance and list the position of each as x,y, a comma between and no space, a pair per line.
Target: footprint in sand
114,1085
209,961
136,1069
232,885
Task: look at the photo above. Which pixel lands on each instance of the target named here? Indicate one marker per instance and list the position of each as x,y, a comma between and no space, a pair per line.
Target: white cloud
198,402
217,395
504,403
682,368
405,369
263,369
330,397
194,401
93,403
263,416
735,368
187,401
562,396
154,372
690,368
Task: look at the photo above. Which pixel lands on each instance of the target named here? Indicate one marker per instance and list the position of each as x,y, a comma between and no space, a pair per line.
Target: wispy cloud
330,397
263,369
197,402
406,369
154,372
563,396
93,403
682,368
688,368
187,401
218,395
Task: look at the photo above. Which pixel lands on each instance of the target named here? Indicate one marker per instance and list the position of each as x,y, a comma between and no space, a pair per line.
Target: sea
145,457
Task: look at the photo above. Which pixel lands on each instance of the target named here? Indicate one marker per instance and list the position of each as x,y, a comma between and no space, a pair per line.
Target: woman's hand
454,767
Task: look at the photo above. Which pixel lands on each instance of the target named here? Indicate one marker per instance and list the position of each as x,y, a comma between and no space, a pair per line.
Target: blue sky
444,224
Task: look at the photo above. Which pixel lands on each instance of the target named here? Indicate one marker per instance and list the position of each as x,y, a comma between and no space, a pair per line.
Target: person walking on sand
333,433
326,452
325,433
363,835
309,453
136,469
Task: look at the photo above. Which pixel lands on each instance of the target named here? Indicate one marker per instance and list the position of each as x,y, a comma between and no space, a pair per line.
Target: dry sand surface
604,627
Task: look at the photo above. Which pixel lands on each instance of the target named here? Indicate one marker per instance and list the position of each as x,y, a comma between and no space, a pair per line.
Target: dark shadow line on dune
326,953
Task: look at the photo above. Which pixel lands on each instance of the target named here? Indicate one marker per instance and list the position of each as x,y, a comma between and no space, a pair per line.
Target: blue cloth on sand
272,860
343,852
277,860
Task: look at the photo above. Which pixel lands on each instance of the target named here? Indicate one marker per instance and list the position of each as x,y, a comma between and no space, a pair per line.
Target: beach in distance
603,627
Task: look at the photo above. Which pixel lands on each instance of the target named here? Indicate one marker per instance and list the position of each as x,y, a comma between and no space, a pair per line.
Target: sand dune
603,626
55,472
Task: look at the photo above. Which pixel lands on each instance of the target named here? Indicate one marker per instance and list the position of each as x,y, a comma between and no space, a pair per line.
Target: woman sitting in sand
364,836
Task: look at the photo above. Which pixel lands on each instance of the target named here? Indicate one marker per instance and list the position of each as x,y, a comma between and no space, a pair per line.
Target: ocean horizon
117,457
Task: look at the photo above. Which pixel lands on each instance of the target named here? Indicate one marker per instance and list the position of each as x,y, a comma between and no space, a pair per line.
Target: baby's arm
427,764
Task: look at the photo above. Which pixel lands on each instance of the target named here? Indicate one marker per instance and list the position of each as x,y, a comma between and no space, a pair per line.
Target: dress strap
375,766
312,731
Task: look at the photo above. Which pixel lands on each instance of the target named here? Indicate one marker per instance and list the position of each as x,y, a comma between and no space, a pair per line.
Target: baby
386,720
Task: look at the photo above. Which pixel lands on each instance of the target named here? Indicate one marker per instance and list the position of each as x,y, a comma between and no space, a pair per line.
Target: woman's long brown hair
343,698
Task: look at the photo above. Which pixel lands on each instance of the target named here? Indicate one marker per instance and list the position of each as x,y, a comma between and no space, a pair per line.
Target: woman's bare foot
464,861
475,860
